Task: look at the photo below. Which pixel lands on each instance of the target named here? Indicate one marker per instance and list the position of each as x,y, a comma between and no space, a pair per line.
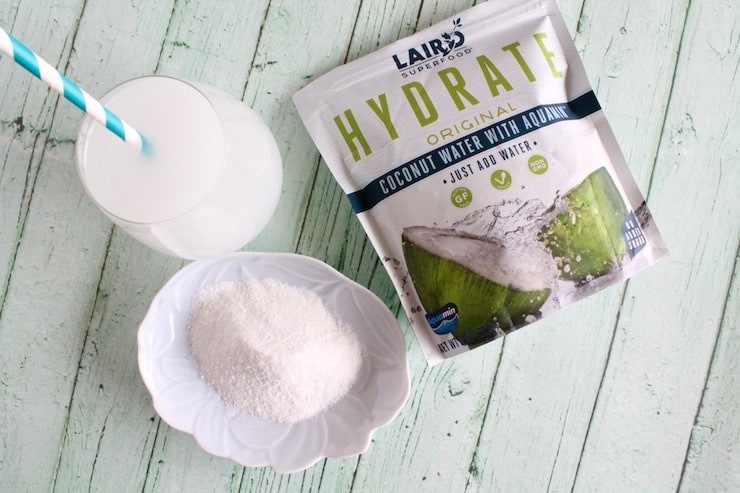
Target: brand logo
433,49
444,320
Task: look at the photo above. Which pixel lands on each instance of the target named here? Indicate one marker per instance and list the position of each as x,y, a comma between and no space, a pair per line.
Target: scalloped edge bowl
184,400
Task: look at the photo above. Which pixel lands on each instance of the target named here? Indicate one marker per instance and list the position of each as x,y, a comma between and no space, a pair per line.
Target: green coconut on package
585,234
494,288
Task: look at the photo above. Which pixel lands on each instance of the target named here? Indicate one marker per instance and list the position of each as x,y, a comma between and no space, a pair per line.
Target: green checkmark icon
501,179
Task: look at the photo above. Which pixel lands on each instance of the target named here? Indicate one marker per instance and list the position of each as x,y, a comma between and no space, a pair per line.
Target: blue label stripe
524,123
114,124
633,235
25,57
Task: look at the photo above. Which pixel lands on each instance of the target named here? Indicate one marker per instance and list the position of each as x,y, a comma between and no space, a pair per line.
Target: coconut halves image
493,287
585,235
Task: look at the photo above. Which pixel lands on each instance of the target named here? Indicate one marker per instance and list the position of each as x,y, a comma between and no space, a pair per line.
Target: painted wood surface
634,389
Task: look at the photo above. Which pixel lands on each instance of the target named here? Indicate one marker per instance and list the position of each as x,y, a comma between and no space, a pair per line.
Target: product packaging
478,159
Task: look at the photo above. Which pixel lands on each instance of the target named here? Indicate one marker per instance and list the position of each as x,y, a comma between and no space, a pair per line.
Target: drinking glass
211,181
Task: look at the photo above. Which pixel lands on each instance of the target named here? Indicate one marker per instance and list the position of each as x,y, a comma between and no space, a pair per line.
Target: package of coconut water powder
483,169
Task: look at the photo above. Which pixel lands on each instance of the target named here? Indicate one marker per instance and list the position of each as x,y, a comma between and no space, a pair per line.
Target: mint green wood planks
633,389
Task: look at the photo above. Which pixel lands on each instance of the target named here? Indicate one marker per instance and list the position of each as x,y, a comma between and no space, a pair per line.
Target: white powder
271,349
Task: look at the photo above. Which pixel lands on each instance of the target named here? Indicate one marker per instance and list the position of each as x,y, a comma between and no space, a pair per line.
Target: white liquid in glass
212,182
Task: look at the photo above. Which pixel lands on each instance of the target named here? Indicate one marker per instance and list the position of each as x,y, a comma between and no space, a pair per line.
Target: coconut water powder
478,159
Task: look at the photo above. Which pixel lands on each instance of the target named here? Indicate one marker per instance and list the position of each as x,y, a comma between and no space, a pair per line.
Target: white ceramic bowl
188,403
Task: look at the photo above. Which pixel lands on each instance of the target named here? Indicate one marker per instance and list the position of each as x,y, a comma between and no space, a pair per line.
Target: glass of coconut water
211,181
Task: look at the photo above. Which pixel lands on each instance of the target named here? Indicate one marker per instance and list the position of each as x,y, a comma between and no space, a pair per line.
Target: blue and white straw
29,60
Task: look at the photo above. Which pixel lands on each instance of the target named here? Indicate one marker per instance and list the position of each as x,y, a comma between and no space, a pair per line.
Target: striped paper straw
29,60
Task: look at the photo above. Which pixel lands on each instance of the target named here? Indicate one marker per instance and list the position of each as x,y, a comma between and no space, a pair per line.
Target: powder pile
271,349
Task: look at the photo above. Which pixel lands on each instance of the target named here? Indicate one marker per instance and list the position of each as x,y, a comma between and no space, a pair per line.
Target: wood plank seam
607,361
669,101
715,350
256,50
472,468
160,57
72,393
